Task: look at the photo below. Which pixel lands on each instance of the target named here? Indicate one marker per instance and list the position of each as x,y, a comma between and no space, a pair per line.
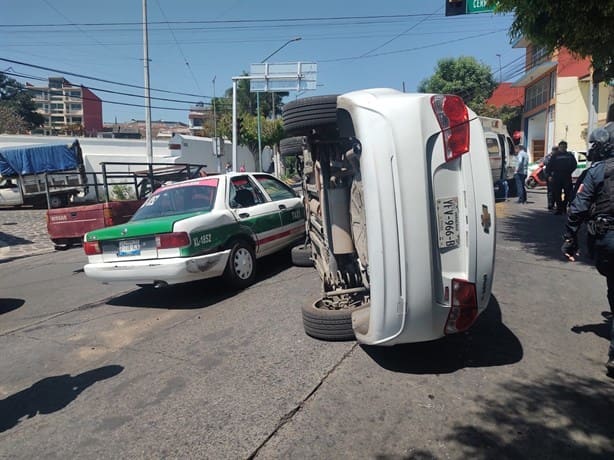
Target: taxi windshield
178,200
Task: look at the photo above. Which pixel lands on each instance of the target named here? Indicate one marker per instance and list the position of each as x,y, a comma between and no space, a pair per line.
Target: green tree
463,76
271,131
584,27
16,97
10,121
246,100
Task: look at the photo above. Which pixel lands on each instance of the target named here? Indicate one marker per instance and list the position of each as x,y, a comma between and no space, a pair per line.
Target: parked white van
400,214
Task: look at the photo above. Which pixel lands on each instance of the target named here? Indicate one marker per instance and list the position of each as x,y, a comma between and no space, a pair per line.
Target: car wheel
291,146
531,183
303,116
327,324
301,255
241,267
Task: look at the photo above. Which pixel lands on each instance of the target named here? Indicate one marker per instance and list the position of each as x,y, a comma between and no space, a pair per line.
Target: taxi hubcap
243,263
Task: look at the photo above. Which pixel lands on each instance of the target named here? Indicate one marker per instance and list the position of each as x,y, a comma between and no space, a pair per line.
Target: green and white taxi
201,228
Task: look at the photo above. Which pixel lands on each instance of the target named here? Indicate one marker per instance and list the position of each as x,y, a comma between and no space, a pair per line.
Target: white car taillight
91,248
453,118
464,307
172,240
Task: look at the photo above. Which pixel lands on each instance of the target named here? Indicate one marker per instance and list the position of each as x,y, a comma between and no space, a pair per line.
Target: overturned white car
400,213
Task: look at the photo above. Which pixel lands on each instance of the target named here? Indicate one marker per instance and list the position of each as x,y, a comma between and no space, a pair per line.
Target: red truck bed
66,226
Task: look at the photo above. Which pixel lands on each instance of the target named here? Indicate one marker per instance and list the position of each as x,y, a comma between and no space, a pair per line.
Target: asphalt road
199,372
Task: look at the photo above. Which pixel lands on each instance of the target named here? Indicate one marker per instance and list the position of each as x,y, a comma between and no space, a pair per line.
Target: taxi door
251,209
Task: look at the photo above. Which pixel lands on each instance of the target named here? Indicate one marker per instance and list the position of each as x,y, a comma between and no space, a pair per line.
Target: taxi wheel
303,116
322,323
531,183
301,255
241,267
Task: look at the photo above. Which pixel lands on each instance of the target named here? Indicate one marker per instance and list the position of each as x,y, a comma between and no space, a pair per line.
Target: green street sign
478,6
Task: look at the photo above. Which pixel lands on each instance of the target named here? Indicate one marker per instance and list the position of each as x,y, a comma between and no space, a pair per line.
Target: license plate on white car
447,222
129,248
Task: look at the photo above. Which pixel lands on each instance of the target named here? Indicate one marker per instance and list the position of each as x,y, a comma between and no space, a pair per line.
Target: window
243,193
493,146
277,190
178,200
75,107
537,94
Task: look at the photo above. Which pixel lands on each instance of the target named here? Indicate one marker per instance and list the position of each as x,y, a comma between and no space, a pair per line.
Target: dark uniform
594,203
560,167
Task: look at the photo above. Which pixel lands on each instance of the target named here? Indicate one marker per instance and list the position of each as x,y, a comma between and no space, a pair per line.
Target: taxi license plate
129,248
447,222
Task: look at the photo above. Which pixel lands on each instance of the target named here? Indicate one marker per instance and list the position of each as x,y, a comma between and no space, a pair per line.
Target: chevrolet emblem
486,221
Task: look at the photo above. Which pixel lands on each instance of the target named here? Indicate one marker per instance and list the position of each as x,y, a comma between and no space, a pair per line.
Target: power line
401,34
98,79
228,21
179,47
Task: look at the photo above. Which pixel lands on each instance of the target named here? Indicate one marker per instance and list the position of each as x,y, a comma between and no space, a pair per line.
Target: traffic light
456,7
239,125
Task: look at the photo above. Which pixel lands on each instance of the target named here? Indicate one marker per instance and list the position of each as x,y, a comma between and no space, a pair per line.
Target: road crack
287,418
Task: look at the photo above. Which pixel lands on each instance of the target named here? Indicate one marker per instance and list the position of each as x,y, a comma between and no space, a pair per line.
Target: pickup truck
121,191
400,214
41,175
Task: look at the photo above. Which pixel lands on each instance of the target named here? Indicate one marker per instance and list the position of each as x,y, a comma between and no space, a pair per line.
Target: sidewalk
23,233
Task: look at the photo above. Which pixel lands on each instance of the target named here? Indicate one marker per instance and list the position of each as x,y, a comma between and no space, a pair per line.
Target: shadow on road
488,343
7,305
12,239
561,416
540,232
50,395
198,294
599,329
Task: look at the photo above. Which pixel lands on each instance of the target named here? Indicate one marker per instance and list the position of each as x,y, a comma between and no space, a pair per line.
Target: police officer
560,167
594,203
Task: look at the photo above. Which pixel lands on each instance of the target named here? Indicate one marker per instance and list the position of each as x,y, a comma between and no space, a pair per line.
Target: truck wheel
241,267
531,182
321,323
291,146
303,116
301,255
57,201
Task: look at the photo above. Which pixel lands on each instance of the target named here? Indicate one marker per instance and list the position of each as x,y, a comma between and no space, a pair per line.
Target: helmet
602,142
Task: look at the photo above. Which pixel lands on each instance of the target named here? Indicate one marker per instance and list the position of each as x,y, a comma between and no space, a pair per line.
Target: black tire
531,183
301,255
240,270
57,201
303,116
324,324
291,146
62,247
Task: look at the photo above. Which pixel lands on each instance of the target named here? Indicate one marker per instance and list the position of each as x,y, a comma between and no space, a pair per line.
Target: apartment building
67,108
558,96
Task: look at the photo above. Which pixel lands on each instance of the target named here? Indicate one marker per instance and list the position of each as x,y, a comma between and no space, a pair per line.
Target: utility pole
148,141
500,75
295,39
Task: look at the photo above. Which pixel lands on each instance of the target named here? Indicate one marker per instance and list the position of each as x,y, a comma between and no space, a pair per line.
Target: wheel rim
243,263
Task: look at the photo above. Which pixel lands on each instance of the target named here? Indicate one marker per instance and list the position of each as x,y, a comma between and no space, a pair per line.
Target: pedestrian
242,168
520,175
548,177
228,167
560,167
594,204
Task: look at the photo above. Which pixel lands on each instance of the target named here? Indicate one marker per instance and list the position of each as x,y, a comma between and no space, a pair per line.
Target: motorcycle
537,177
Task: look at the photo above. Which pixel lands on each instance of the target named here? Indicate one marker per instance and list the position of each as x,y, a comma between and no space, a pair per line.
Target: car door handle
244,215
282,206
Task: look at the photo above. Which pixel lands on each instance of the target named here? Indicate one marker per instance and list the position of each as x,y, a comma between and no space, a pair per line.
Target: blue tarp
34,159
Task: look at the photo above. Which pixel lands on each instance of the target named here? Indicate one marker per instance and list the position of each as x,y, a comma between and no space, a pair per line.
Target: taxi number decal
202,240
